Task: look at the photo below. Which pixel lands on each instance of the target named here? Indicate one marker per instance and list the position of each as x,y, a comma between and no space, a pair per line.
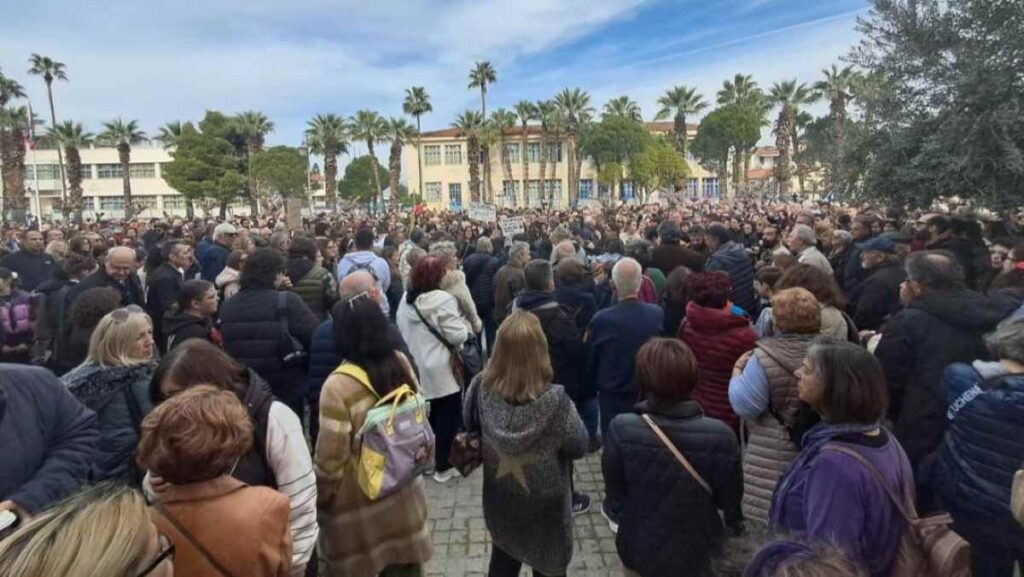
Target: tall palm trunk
419,155
526,166
797,157
60,155
331,178
554,171
737,162
124,152
506,162
376,172
74,183
723,178
15,199
395,168
473,158
679,132
251,149
782,138
570,163
541,187
746,164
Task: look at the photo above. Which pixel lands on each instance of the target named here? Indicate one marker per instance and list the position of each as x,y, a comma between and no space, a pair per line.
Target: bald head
627,276
120,263
358,282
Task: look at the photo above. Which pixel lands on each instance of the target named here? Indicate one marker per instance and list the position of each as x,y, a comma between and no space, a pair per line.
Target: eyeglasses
166,552
122,314
352,301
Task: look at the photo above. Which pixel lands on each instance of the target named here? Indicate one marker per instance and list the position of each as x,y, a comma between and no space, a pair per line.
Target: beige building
516,183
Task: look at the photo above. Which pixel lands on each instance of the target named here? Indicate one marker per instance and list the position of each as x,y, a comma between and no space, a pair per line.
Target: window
512,152
553,190
432,155
108,171
432,191
108,203
628,190
144,202
86,171
532,152
534,191
453,154
604,191
692,186
710,188
455,195
88,204
142,170
554,152
510,192
586,188
760,160
175,202
45,172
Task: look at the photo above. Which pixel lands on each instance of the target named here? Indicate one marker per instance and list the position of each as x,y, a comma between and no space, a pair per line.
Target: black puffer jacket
181,327
480,269
733,259
877,297
565,344
668,523
254,335
937,329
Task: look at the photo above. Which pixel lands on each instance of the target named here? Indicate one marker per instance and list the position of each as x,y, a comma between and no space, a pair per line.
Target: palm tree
171,132
553,126
624,107
838,88
575,107
72,137
51,70
327,135
470,124
12,143
370,127
399,132
255,126
526,111
124,135
480,76
743,90
9,90
504,121
679,102
788,95
416,104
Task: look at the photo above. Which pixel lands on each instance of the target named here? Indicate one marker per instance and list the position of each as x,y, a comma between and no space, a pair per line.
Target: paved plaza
462,546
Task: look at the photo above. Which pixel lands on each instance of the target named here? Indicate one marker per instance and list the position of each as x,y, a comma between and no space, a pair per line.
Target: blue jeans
589,413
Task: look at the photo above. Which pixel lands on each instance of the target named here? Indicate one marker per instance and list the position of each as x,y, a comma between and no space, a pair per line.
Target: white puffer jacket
432,357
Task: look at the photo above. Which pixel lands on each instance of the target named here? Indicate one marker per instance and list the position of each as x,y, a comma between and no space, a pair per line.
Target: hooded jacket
937,329
733,259
877,297
179,327
480,269
120,398
565,345
314,284
432,356
367,260
528,450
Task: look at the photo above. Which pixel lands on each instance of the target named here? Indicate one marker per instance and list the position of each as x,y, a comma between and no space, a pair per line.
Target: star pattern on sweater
513,465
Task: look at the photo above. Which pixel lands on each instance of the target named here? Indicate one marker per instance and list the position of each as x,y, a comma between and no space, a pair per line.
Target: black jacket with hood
565,344
179,327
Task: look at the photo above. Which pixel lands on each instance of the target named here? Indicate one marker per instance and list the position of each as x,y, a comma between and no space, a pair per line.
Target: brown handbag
467,448
929,547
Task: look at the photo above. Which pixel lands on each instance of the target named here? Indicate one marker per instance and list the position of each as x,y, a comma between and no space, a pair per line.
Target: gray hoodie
528,452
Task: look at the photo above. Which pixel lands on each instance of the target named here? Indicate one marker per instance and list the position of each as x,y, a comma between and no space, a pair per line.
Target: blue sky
163,61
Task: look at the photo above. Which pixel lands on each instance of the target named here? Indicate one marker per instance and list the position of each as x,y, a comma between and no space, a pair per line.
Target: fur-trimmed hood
91,382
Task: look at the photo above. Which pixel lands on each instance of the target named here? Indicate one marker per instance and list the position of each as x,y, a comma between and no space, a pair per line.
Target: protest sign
482,212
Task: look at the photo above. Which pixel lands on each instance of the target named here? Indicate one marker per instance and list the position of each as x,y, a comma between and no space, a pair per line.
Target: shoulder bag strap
900,503
199,546
678,455
437,334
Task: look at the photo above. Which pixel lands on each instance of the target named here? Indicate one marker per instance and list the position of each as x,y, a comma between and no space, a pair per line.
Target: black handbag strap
437,334
282,314
198,546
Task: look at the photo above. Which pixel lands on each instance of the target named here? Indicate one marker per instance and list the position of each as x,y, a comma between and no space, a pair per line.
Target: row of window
111,170
116,203
453,153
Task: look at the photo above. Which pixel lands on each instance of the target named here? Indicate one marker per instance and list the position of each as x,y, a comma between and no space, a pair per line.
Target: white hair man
804,244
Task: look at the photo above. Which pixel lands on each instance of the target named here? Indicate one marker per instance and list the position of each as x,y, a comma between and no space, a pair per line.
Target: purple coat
831,496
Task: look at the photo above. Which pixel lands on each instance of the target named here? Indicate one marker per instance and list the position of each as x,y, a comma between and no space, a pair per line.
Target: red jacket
718,338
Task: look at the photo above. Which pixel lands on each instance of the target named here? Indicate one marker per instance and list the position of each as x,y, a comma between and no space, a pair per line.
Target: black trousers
445,420
504,565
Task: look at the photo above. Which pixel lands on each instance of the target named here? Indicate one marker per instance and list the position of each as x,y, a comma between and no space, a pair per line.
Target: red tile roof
766,151
760,173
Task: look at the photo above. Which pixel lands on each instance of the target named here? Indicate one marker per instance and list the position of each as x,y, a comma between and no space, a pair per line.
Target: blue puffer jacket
983,446
733,259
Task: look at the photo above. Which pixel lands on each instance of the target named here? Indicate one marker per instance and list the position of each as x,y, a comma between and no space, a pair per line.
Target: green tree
613,142
788,96
205,168
480,77
71,137
574,105
658,166
123,135
622,106
170,132
416,104
327,135
526,111
254,126
743,90
712,145
369,127
504,121
358,184
470,125
280,170
13,121
680,102
49,70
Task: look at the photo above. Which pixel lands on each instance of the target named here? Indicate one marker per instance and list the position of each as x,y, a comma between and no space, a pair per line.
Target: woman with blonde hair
531,433
220,526
105,531
114,382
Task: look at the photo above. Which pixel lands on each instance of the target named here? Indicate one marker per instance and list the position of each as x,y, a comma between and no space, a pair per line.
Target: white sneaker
611,524
444,477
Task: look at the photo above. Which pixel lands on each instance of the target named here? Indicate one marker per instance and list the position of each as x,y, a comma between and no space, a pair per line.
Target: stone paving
462,546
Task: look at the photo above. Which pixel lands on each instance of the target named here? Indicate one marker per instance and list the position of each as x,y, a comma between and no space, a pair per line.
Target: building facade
515,171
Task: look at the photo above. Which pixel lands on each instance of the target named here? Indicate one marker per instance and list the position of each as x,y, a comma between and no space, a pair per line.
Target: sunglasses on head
122,314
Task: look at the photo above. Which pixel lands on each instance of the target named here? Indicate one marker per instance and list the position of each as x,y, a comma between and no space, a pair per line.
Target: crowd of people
769,387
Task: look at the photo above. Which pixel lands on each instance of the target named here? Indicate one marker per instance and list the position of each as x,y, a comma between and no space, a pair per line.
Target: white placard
482,212
511,226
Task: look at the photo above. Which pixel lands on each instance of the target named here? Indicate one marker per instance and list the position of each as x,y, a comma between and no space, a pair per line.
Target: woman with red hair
718,334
